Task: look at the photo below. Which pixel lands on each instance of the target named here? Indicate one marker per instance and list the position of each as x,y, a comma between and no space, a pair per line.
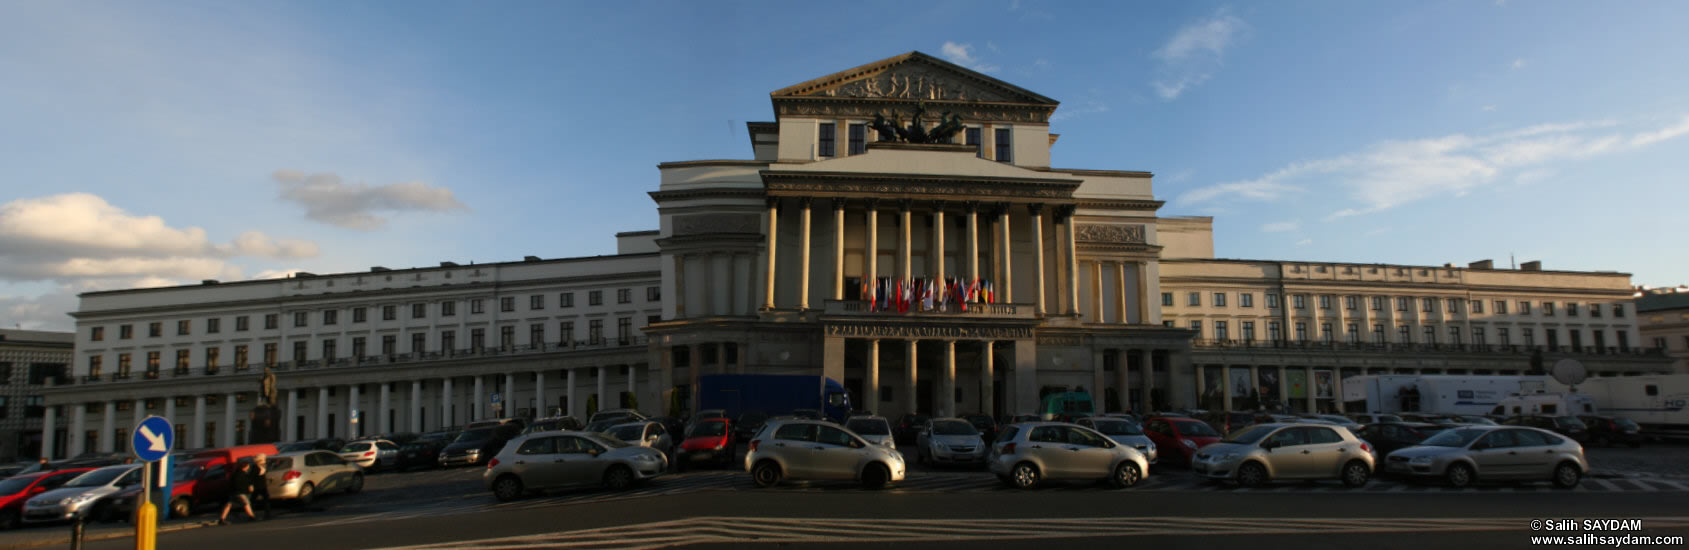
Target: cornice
712,193
711,162
1121,204
1085,172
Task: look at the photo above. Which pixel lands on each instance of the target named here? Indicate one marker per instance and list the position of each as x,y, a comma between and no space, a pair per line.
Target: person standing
261,484
240,490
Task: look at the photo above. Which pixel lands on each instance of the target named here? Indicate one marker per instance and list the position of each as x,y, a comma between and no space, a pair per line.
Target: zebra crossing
737,530
957,482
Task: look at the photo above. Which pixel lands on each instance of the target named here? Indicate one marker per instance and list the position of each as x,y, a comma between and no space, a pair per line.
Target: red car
1179,438
196,484
709,440
14,491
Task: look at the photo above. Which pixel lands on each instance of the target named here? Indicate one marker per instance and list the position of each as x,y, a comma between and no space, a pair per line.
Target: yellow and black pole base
146,515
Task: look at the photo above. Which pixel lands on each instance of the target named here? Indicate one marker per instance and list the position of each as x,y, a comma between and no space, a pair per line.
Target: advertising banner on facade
1323,386
1297,379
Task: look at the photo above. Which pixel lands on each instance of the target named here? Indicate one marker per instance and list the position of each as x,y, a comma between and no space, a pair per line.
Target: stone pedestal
264,425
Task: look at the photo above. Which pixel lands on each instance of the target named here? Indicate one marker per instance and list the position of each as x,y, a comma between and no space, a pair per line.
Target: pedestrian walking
261,485
241,489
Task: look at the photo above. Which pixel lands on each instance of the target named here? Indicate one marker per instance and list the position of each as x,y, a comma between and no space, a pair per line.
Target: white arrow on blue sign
153,439
496,398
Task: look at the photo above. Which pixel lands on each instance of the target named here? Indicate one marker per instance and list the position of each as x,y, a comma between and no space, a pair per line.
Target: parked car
646,434
908,426
1031,453
817,450
379,454
1426,418
1463,455
708,440
305,475
325,444
14,491
13,469
1299,451
1465,419
808,414
1123,432
707,414
477,445
748,424
425,451
1388,437
1568,426
1609,430
674,425
549,460
873,429
400,438
1179,438
496,422
985,424
1374,418
553,424
195,484
1344,421
950,441
1019,418
85,496
625,415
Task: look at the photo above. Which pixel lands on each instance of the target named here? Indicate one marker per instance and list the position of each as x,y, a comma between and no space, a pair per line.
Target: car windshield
96,478
186,472
981,422
607,442
475,436
707,429
1453,438
1194,429
1569,422
355,448
868,426
1389,418
1249,435
1118,427
630,432
15,485
291,447
953,427
1626,424
807,413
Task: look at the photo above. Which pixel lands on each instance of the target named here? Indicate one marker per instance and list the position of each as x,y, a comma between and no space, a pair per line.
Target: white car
950,441
819,450
81,496
371,454
873,429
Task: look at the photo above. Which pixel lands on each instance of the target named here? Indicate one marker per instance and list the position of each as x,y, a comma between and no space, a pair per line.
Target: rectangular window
389,344
1351,302
624,295
1272,300
360,314
1453,305
1524,307
299,319
331,317
536,335
477,339
507,337
1402,303
653,293
419,343
1300,301
1571,309
240,356
270,354
1624,340
1477,306
536,301
1167,299
1248,331
1378,303
1325,301
825,144
271,321
153,361
1404,335
1194,299
1600,339
182,328
448,309
419,311
211,356
972,135
1196,326
97,334
1595,310
507,304
477,306
242,323
1354,333
595,298
1378,334
1004,146
566,332
1274,333
125,332
1530,336
566,299
1454,335
624,330
595,332
360,347
1500,307
1618,310
1430,334
1428,305
1219,299
858,139
329,349
1504,336
1246,299
1220,331
448,341
1576,336
155,330
1548,309
1325,332
1301,332
123,364
182,360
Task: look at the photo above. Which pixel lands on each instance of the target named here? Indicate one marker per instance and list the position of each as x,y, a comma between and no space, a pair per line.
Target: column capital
938,205
805,201
1064,212
1036,208
773,202
839,204
905,204
871,203
1001,208
970,206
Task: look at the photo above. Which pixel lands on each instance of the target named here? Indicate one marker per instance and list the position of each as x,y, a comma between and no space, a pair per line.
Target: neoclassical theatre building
899,228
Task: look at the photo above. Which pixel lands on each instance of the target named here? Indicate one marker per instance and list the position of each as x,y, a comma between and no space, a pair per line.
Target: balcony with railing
1495,349
952,310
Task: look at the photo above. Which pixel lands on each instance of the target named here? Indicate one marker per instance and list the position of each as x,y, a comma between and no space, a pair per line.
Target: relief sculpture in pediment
1110,233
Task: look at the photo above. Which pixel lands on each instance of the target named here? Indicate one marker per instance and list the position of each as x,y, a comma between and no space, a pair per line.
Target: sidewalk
59,534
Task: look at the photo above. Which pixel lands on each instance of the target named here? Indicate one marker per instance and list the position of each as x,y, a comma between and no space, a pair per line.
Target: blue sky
164,142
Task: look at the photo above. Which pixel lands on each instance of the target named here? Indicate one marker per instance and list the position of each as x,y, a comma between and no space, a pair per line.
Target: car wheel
766,474
8,519
507,488
307,494
1356,474
1251,474
1024,476
1567,475
181,508
619,478
1458,475
1126,475
356,485
876,476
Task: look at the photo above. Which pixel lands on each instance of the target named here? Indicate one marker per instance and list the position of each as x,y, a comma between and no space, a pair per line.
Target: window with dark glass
360,347
240,356
299,351
536,301
1248,332
507,337
825,144
242,323
566,299
1167,299
624,330
595,332
153,361
448,309
155,330
270,354
448,341
595,298
1004,145
211,356
271,321
125,332
858,139
331,317
536,334
419,342
419,311
507,304
1219,299
182,328
653,293
1301,332
329,349
97,334
389,344
477,306
972,135
182,359
477,339
1246,299
360,315
299,319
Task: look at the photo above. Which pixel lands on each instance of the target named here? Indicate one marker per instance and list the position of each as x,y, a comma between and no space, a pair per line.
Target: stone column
633,379
1037,211
228,420
49,425
1144,296
1065,216
290,426
446,403
1099,382
508,400
569,394
948,385
694,367
1097,292
1120,273
1226,386
416,407
937,269
1308,389
1255,384
773,248
479,391
871,383
1283,389
140,411
838,248
78,428
1337,388
1006,287
911,382
904,243
973,240
604,388
352,421
1123,379
679,291
871,247
384,418
541,408
988,381
170,413
803,255
1177,364
721,357
1148,362
108,430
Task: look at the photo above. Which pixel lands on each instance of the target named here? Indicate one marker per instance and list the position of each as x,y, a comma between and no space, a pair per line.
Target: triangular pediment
928,163
914,76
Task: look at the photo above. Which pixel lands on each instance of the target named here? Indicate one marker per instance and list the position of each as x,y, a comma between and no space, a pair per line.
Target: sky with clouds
168,142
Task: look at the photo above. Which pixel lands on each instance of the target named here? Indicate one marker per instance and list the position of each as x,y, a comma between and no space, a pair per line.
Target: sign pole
152,440
146,515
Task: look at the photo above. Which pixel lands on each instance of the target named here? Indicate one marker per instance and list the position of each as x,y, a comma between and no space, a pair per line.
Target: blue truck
773,394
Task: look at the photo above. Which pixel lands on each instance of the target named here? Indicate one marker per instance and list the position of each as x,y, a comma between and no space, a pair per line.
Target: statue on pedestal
265,421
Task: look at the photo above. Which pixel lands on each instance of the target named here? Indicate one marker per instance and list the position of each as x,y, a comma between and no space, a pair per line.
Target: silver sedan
548,460
1465,454
1265,452
819,450
950,441
1028,453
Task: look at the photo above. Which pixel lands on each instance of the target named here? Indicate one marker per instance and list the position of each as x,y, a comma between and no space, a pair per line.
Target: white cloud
1281,227
1489,107
962,54
1391,173
329,200
43,312
1090,107
1195,52
1518,64
1304,242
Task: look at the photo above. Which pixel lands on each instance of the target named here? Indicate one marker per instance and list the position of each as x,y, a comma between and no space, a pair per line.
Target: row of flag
926,294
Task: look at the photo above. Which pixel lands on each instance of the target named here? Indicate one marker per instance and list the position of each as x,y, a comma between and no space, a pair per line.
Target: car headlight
941,446
720,446
645,458
1189,443
1420,460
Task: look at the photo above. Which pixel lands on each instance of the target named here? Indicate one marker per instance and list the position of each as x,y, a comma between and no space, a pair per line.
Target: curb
117,534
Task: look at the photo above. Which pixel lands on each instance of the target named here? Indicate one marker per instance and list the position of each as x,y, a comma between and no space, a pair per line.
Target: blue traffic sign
496,398
153,439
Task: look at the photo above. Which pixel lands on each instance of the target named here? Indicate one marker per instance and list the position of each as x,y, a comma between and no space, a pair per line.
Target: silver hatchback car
1464,454
1258,454
549,460
1122,430
1026,454
819,450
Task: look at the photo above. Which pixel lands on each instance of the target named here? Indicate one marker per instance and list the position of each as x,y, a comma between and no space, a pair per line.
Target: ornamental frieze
913,82
1059,341
880,189
717,223
917,331
867,110
1110,233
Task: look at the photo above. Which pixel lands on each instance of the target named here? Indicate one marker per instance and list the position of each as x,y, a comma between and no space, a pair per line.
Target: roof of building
1017,93
36,336
1662,302
1406,266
